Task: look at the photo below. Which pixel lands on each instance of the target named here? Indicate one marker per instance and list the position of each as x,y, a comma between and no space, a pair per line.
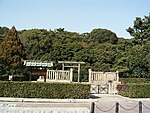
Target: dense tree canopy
3,31
103,35
101,49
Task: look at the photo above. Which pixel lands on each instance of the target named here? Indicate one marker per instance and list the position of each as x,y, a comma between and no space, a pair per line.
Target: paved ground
107,103
103,103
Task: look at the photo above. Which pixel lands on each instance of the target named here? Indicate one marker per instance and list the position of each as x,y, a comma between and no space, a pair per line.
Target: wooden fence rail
58,76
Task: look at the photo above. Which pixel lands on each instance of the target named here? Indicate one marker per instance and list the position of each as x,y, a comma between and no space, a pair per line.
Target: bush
134,90
44,90
133,80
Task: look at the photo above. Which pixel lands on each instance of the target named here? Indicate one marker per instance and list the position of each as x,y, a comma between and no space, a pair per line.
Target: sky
80,16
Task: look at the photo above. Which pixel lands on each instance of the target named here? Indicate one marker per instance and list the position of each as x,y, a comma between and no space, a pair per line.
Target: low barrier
118,106
58,76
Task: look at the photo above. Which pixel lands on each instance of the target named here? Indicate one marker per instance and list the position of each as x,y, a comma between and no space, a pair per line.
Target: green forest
100,49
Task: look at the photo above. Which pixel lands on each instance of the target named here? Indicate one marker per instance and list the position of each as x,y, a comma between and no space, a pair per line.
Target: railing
102,77
117,108
58,76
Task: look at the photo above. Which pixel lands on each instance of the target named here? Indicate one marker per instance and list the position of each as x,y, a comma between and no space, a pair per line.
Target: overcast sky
74,15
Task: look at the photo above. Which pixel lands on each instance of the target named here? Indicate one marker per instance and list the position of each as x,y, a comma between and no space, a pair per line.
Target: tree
100,49
11,53
37,43
141,29
3,31
138,61
103,35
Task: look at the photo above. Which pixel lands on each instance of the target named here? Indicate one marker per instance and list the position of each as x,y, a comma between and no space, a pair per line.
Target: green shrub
134,90
133,80
44,90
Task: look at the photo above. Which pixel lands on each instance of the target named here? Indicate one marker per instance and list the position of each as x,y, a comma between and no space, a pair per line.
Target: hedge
134,90
44,90
134,80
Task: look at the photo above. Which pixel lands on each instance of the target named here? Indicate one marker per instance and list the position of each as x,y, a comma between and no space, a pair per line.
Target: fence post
92,107
140,107
117,76
71,75
98,88
90,74
117,108
109,87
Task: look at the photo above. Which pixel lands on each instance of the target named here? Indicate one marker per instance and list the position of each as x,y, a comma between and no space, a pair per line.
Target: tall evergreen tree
11,53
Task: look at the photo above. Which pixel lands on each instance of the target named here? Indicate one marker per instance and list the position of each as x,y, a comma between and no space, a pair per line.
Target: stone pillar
71,75
109,85
90,75
40,77
117,76
10,77
63,66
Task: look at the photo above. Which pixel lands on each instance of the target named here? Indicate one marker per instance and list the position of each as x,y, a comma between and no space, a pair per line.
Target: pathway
103,102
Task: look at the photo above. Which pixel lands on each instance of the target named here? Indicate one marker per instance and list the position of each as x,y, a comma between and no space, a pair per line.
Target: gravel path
103,103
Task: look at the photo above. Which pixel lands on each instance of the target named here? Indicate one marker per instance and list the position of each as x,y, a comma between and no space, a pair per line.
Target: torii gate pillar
72,66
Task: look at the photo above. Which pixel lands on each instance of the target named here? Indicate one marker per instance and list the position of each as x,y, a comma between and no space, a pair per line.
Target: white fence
58,76
102,77
104,82
101,82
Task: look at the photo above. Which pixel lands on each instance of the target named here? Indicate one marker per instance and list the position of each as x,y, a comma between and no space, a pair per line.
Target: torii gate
71,66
